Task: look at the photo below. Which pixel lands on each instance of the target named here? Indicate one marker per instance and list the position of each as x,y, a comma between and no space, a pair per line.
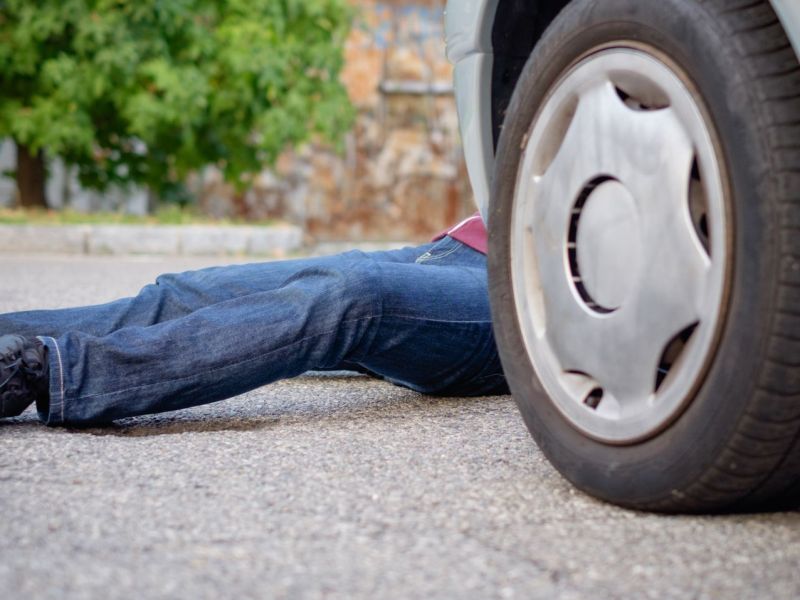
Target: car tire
722,432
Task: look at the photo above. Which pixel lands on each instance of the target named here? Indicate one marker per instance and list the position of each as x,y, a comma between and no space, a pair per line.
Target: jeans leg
426,328
317,318
175,295
435,332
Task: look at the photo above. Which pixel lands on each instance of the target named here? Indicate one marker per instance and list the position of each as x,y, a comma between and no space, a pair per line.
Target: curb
184,240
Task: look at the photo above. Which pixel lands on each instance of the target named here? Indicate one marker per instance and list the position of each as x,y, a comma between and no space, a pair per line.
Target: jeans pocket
443,248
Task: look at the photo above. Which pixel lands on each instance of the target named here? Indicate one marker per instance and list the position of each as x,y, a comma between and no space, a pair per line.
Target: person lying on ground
418,317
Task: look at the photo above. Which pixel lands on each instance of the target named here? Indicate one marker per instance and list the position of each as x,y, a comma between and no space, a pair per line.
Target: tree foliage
147,90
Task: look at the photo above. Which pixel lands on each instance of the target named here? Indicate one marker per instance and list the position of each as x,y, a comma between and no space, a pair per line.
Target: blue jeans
418,317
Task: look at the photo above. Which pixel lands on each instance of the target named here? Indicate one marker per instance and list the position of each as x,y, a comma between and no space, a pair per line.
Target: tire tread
757,463
769,433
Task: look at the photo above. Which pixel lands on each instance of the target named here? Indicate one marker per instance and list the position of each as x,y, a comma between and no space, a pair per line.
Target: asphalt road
333,487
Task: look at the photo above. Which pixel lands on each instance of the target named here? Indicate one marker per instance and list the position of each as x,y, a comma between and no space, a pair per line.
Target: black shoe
24,373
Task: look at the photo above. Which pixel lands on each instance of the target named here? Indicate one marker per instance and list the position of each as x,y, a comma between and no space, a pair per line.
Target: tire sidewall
662,469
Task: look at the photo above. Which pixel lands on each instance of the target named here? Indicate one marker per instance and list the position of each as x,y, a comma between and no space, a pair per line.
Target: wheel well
518,25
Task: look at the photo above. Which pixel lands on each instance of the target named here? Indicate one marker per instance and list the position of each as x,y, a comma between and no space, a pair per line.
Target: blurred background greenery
333,114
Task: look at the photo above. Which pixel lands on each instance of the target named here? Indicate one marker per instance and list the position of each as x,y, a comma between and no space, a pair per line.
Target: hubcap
620,244
608,246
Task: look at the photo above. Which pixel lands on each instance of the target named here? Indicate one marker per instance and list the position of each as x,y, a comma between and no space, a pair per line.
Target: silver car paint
468,27
789,13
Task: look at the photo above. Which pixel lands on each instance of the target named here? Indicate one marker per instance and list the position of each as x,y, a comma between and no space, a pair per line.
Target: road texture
333,487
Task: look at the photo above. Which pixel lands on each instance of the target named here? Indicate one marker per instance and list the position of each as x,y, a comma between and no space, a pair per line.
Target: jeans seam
436,320
423,258
428,257
378,310
60,363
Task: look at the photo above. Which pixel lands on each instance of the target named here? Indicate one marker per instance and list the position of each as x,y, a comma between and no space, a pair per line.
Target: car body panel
473,77
468,28
788,12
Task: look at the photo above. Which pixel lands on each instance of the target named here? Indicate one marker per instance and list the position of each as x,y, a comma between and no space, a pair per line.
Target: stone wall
402,175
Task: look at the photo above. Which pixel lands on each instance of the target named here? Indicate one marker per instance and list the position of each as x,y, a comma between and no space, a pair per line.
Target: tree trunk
239,205
31,175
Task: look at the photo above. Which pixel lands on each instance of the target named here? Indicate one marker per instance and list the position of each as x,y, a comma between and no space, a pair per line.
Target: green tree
144,91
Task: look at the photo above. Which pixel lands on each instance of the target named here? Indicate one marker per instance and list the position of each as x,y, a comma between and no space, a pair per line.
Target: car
637,163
